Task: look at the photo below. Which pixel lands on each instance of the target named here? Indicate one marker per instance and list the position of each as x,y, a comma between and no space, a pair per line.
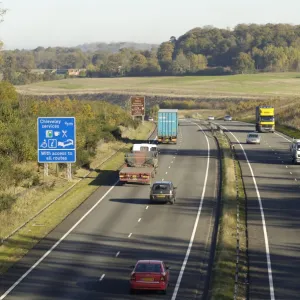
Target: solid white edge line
101,278
59,241
196,221
147,207
263,220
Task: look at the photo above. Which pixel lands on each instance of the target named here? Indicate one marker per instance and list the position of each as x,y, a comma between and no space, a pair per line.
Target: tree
244,63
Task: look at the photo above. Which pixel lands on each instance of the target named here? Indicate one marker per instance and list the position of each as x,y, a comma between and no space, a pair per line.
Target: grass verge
223,274
27,237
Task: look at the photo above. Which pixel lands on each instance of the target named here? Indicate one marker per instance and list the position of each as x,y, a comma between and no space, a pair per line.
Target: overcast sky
32,23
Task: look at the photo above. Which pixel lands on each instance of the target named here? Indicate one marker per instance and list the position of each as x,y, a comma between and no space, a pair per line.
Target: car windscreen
298,146
155,268
157,188
253,136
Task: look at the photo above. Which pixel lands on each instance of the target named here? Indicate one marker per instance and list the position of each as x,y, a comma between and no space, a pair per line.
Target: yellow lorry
265,119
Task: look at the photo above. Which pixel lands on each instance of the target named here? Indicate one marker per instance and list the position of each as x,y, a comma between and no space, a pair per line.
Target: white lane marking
283,137
166,172
269,146
263,221
196,221
286,166
275,153
169,167
139,220
118,253
278,156
295,179
57,243
147,207
101,278
291,173
130,234
172,161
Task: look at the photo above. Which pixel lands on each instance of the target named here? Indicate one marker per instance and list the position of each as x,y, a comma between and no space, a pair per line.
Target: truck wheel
172,201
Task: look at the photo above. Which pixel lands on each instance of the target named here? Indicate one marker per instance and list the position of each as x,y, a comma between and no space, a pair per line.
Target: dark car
149,275
163,191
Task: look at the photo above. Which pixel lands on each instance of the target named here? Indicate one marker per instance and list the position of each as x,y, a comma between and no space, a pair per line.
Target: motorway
272,187
91,250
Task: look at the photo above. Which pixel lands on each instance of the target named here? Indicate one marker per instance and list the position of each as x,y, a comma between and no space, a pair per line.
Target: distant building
70,72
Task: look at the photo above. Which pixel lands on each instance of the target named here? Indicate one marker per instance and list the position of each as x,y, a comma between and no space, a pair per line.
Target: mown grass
21,242
225,259
256,85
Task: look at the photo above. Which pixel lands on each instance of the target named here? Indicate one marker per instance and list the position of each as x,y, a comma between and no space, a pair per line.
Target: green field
255,85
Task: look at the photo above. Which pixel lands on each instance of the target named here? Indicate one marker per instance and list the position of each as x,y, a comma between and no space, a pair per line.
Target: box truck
167,126
265,119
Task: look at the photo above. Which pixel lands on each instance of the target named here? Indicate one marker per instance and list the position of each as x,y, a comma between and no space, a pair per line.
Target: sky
49,23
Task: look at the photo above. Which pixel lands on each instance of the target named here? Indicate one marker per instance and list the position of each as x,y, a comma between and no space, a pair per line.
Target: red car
149,275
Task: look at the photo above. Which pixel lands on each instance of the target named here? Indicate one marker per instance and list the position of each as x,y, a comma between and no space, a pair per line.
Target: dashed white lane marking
272,295
172,161
295,179
169,167
174,157
147,207
286,166
166,172
139,220
130,234
291,173
57,243
282,161
278,156
162,179
196,221
101,278
118,253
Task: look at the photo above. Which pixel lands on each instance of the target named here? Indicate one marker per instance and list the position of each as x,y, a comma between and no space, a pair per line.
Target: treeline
201,51
95,121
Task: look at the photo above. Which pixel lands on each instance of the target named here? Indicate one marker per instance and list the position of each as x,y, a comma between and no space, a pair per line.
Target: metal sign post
46,170
56,141
69,172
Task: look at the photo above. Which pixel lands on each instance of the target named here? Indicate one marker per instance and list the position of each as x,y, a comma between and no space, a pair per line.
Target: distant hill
115,47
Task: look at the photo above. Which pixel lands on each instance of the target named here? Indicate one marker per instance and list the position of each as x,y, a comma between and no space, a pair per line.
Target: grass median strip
21,242
224,269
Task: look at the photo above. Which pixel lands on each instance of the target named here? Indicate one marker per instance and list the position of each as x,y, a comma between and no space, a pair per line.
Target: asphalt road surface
273,213
93,255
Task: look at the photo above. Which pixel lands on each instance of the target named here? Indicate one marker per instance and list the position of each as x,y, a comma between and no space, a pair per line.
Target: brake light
133,278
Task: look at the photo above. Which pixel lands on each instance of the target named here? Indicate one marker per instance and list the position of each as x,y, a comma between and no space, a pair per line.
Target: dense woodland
203,51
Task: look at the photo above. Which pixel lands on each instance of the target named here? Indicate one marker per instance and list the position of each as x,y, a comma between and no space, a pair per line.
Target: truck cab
295,151
265,119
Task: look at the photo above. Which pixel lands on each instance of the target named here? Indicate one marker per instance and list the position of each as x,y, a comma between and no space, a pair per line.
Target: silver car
211,118
253,138
227,118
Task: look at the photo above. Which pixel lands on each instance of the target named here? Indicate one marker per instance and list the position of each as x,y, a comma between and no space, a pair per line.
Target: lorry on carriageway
167,126
140,164
265,119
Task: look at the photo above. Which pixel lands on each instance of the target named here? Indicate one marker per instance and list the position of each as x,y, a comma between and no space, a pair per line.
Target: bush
6,201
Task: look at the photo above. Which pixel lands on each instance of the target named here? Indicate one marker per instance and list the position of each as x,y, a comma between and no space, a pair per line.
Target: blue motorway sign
56,139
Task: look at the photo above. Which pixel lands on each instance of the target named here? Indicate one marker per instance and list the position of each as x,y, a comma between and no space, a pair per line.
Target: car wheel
164,292
131,291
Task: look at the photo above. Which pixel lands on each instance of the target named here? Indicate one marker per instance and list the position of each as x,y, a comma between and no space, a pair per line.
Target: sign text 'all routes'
137,106
56,139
